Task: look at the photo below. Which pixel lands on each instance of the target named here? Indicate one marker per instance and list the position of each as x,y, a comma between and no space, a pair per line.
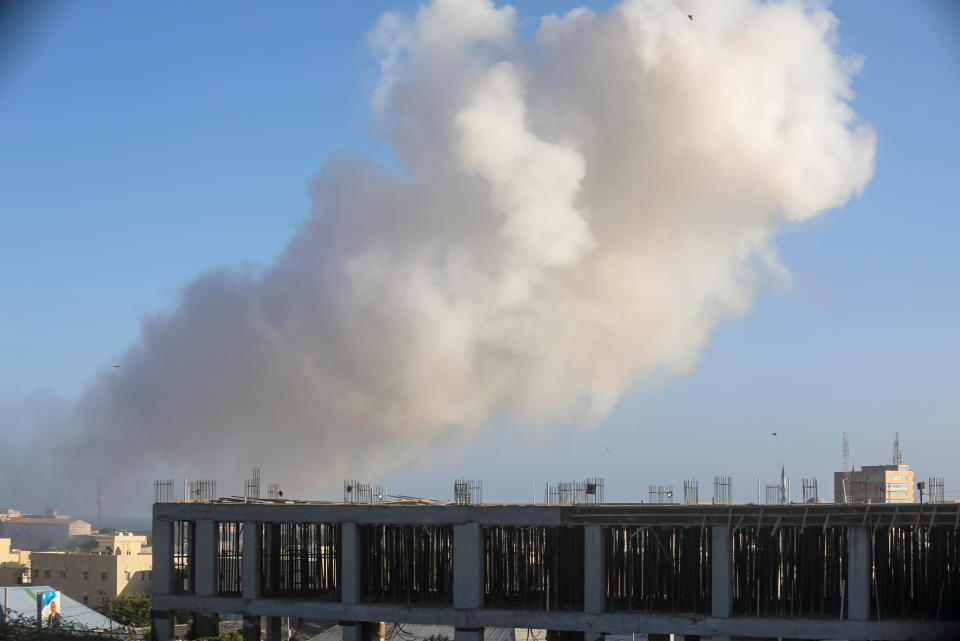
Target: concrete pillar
594,570
205,558
361,631
274,629
350,578
468,566
162,557
721,571
251,628
205,577
251,562
858,573
162,629
468,634
205,625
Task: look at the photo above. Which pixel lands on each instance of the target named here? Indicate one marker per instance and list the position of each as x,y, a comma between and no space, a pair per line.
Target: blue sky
142,143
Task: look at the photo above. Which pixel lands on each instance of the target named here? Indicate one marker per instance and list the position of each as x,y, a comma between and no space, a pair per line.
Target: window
86,599
36,573
86,575
103,576
898,477
46,573
891,486
63,574
896,493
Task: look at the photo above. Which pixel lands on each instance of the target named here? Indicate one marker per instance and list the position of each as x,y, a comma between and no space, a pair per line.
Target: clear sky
142,143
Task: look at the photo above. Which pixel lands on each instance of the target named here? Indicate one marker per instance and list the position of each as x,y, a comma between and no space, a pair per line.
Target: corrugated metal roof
21,601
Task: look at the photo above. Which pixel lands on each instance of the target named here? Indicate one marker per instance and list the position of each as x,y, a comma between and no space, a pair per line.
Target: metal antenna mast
846,453
897,452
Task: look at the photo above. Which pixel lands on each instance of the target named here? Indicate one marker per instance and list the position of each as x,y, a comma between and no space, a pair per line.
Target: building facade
43,532
14,564
875,484
121,565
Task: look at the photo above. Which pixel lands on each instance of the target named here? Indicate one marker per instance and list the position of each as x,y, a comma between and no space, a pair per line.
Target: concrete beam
205,558
802,628
251,561
858,573
468,566
350,567
162,556
594,572
553,515
721,571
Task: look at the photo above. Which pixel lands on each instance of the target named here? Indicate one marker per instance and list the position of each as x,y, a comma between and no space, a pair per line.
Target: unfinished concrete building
809,571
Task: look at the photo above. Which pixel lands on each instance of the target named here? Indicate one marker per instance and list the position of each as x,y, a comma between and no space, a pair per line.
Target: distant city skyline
146,144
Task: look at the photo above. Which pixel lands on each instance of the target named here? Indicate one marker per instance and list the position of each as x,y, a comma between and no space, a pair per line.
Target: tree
129,610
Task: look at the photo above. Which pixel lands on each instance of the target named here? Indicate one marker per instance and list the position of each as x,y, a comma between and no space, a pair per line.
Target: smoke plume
572,215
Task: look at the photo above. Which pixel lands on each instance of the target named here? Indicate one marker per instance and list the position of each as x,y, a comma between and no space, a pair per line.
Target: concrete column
468,566
251,628
350,567
858,573
468,634
251,562
162,557
205,625
361,630
205,560
721,571
162,629
594,570
274,629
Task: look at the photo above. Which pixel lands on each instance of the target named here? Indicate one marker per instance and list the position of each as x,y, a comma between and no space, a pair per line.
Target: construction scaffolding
789,571
658,569
300,560
533,567
410,564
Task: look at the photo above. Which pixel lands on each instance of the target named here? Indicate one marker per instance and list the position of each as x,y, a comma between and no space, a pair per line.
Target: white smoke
573,217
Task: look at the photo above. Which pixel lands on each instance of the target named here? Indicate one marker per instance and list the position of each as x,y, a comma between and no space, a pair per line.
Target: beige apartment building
14,564
122,564
875,484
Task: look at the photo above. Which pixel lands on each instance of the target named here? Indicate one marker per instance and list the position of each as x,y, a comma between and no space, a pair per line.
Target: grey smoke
573,217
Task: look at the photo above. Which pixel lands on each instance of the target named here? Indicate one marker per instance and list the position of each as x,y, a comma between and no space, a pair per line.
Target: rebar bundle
300,560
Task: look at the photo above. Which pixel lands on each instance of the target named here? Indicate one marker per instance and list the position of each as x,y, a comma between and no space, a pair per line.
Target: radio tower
897,452
845,475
